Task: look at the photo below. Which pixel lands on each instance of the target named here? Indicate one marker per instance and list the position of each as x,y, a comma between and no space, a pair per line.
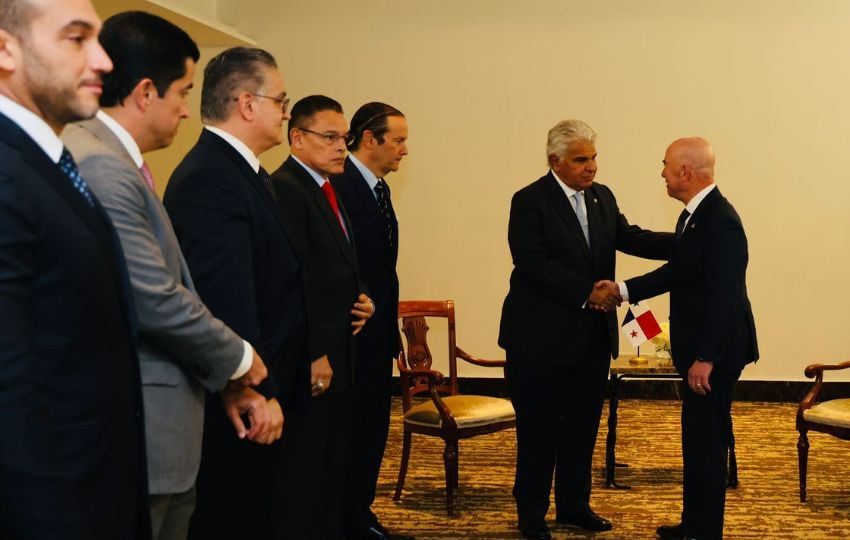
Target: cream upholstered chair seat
835,412
468,411
814,413
444,412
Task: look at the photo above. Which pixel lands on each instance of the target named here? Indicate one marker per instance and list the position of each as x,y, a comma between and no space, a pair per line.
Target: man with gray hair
559,326
246,272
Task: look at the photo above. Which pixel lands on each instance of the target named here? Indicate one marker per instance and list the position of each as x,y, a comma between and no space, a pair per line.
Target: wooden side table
621,369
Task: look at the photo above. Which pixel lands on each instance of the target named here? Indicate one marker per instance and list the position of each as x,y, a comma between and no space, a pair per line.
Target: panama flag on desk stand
640,326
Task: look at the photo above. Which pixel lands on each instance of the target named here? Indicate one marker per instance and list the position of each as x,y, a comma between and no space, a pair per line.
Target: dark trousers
234,486
310,475
558,408
368,427
705,443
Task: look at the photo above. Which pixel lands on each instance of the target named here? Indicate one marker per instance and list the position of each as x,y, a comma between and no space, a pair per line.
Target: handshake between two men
605,296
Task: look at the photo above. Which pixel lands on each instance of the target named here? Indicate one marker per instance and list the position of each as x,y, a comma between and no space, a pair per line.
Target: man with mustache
72,456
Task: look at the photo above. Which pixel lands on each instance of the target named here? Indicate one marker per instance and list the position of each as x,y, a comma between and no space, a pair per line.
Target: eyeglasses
330,138
280,101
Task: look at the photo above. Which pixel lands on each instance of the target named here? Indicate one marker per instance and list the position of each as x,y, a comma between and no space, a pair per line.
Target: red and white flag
640,325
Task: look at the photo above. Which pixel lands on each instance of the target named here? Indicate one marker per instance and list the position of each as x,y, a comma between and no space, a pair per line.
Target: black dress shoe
672,532
585,519
377,532
536,534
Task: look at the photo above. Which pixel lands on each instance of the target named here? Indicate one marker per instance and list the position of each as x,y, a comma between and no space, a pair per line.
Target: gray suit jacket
182,347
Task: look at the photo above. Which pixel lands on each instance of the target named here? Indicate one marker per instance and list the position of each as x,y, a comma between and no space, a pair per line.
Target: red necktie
328,190
146,173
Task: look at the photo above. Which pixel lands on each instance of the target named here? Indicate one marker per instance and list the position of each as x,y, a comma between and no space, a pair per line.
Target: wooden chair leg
405,459
803,455
450,463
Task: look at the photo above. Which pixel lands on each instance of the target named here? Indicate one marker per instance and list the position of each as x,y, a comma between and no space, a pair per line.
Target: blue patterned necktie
383,196
69,168
582,218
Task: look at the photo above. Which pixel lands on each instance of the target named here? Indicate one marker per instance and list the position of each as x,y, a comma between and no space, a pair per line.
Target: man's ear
10,52
245,102
553,161
368,139
143,94
295,136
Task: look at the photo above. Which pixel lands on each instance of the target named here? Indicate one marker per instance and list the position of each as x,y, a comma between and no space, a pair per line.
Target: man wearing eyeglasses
312,473
246,271
379,133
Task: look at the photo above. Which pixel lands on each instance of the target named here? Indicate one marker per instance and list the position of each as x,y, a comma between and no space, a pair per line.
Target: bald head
688,167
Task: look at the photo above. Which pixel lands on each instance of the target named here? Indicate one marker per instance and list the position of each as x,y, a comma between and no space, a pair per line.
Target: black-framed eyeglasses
330,137
280,101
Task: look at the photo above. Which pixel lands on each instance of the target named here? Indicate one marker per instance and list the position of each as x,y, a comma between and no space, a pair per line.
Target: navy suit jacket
554,269
242,260
330,264
72,462
710,314
379,341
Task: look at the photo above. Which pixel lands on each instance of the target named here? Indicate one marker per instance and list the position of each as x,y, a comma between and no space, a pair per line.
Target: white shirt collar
239,146
124,136
567,189
367,173
316,176
34,126
694,202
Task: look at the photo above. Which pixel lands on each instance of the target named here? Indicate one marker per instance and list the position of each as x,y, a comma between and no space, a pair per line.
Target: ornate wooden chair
831,416
446,414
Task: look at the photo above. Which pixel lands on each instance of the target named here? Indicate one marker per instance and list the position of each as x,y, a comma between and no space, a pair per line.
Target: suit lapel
564,208
95,219
224,148
702,209
345,243
368,201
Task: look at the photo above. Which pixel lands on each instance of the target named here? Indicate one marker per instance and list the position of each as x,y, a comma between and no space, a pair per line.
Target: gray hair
565,134
234,70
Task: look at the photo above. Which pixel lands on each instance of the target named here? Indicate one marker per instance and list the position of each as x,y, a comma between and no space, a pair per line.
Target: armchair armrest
816,371
463,355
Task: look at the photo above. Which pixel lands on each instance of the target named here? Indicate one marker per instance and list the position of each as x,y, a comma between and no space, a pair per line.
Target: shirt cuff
624,291
245,364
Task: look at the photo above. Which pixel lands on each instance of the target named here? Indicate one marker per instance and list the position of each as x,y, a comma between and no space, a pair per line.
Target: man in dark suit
564,231
711,326
379,133
182,347
72,456
246,271
312,473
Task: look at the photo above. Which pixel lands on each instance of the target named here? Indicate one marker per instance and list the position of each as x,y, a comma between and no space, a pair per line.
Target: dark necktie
267,182
328,190
680,225
382,191
69,168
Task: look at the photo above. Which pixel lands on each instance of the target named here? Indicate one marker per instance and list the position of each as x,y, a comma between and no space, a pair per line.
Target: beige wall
481,81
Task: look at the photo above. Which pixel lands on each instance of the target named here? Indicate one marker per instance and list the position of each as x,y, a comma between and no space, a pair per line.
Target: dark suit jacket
554,270
72,451
710,313
242,260
330,264
378,343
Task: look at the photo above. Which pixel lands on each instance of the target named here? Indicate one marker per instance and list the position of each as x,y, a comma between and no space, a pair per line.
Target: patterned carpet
766,505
